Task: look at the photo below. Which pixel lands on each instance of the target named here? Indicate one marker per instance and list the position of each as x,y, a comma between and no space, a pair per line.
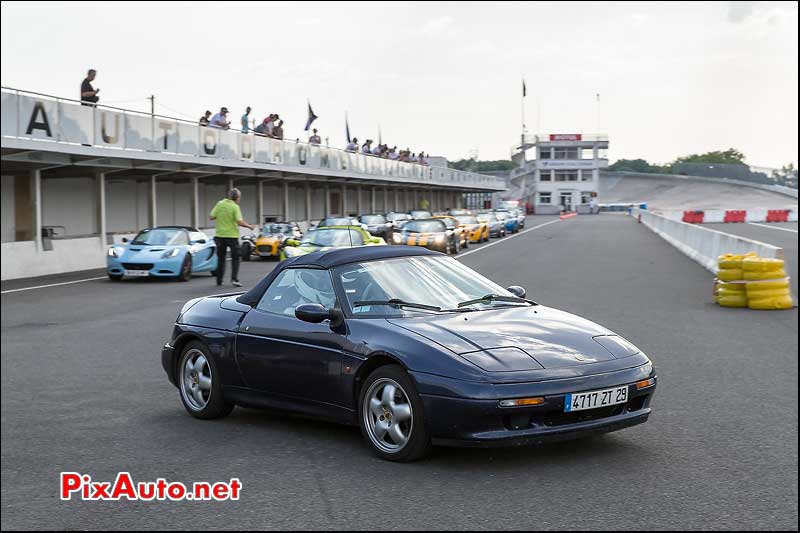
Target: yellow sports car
328,237
476,230
268,243
453,225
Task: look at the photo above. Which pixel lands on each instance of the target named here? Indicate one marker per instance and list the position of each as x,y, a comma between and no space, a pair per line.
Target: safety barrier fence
702,244
41,117
713,216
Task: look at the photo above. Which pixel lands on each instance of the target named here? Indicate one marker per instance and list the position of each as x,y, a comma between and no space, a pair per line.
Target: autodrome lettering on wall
51,119
566,163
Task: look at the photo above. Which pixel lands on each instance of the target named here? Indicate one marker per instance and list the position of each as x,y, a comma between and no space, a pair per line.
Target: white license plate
581,401
137,273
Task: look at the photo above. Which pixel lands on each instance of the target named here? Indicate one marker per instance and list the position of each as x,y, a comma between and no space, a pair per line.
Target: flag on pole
524,90
311,117
380,141
347,128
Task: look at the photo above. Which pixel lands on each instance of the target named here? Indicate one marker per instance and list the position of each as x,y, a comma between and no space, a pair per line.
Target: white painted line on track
52,285
506,239
772,227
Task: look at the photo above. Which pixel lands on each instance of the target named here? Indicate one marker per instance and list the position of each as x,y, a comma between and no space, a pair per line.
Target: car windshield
335,222
421,214
393,217
487,217
160,236
424,226
439,282
501,215
277,228
448,222
467,219
373,219
333,237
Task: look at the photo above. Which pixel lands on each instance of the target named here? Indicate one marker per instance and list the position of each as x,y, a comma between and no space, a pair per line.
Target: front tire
186,269
391,416
247,249
115,277
200,383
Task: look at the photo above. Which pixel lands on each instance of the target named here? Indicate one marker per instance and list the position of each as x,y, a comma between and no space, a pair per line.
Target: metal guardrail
48,118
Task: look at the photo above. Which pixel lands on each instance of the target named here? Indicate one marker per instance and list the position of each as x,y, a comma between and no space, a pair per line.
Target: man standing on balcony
246,121
315,139
88,93
228,218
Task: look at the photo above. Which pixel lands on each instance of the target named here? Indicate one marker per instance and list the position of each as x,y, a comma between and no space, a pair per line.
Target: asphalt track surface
83,390
681,193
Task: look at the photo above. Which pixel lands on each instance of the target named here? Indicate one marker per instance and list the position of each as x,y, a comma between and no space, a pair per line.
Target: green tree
731,156
637,165
472,165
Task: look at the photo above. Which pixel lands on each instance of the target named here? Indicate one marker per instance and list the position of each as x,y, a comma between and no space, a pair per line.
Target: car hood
521,338
142,252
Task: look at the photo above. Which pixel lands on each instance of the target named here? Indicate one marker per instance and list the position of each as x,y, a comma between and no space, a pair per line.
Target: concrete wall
8,223
702,244
72,203
21,260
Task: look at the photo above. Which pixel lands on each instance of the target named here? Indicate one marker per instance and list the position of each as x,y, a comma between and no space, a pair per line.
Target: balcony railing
529,139
46,118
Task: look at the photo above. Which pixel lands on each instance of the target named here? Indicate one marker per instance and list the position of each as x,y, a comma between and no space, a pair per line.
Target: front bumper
161,268
267,249
481,422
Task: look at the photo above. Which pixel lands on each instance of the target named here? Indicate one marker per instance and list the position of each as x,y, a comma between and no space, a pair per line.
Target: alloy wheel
195,380
388,415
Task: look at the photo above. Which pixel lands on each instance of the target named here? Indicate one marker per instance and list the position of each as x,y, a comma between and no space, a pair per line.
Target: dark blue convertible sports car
412,346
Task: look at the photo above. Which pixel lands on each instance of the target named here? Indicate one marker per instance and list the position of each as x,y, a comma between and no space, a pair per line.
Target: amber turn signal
645,383
521,402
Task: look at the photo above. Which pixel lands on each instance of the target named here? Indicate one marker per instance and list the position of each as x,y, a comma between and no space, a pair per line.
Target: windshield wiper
489,298
396,302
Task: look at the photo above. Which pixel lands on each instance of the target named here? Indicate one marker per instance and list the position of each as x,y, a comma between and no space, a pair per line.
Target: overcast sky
446,78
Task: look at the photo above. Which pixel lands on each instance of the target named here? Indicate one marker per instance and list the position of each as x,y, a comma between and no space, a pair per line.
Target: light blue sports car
165,251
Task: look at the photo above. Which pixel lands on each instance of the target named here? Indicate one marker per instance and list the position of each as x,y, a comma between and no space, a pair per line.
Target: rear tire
200,384
391,416
247,249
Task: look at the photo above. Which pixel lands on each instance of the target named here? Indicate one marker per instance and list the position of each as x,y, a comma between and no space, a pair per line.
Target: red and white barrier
712,216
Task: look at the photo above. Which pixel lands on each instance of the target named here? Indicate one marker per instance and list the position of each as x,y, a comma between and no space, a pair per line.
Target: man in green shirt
228,218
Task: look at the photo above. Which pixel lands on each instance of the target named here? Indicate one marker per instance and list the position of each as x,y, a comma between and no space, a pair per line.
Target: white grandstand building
558,172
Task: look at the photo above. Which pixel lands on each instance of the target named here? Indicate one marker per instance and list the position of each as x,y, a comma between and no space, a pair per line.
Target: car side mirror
517,291
124,239
317,313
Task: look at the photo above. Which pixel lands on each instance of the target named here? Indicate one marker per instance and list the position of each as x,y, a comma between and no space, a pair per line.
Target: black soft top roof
333,258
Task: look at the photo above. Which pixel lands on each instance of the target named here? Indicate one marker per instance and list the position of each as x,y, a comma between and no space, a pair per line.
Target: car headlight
170,253
439,238
114,251
397,238
292,251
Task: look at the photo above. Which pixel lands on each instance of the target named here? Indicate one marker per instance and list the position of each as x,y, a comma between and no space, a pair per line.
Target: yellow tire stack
729,291
750,281
768,286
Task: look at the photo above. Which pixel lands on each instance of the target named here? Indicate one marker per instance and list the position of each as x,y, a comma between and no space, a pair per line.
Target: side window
297,286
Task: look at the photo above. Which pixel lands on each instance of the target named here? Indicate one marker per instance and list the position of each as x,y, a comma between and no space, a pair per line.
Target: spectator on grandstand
366,148
315,139
246,121
204,119
392,154
277,131
377,150
220,120
352,146
88,93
